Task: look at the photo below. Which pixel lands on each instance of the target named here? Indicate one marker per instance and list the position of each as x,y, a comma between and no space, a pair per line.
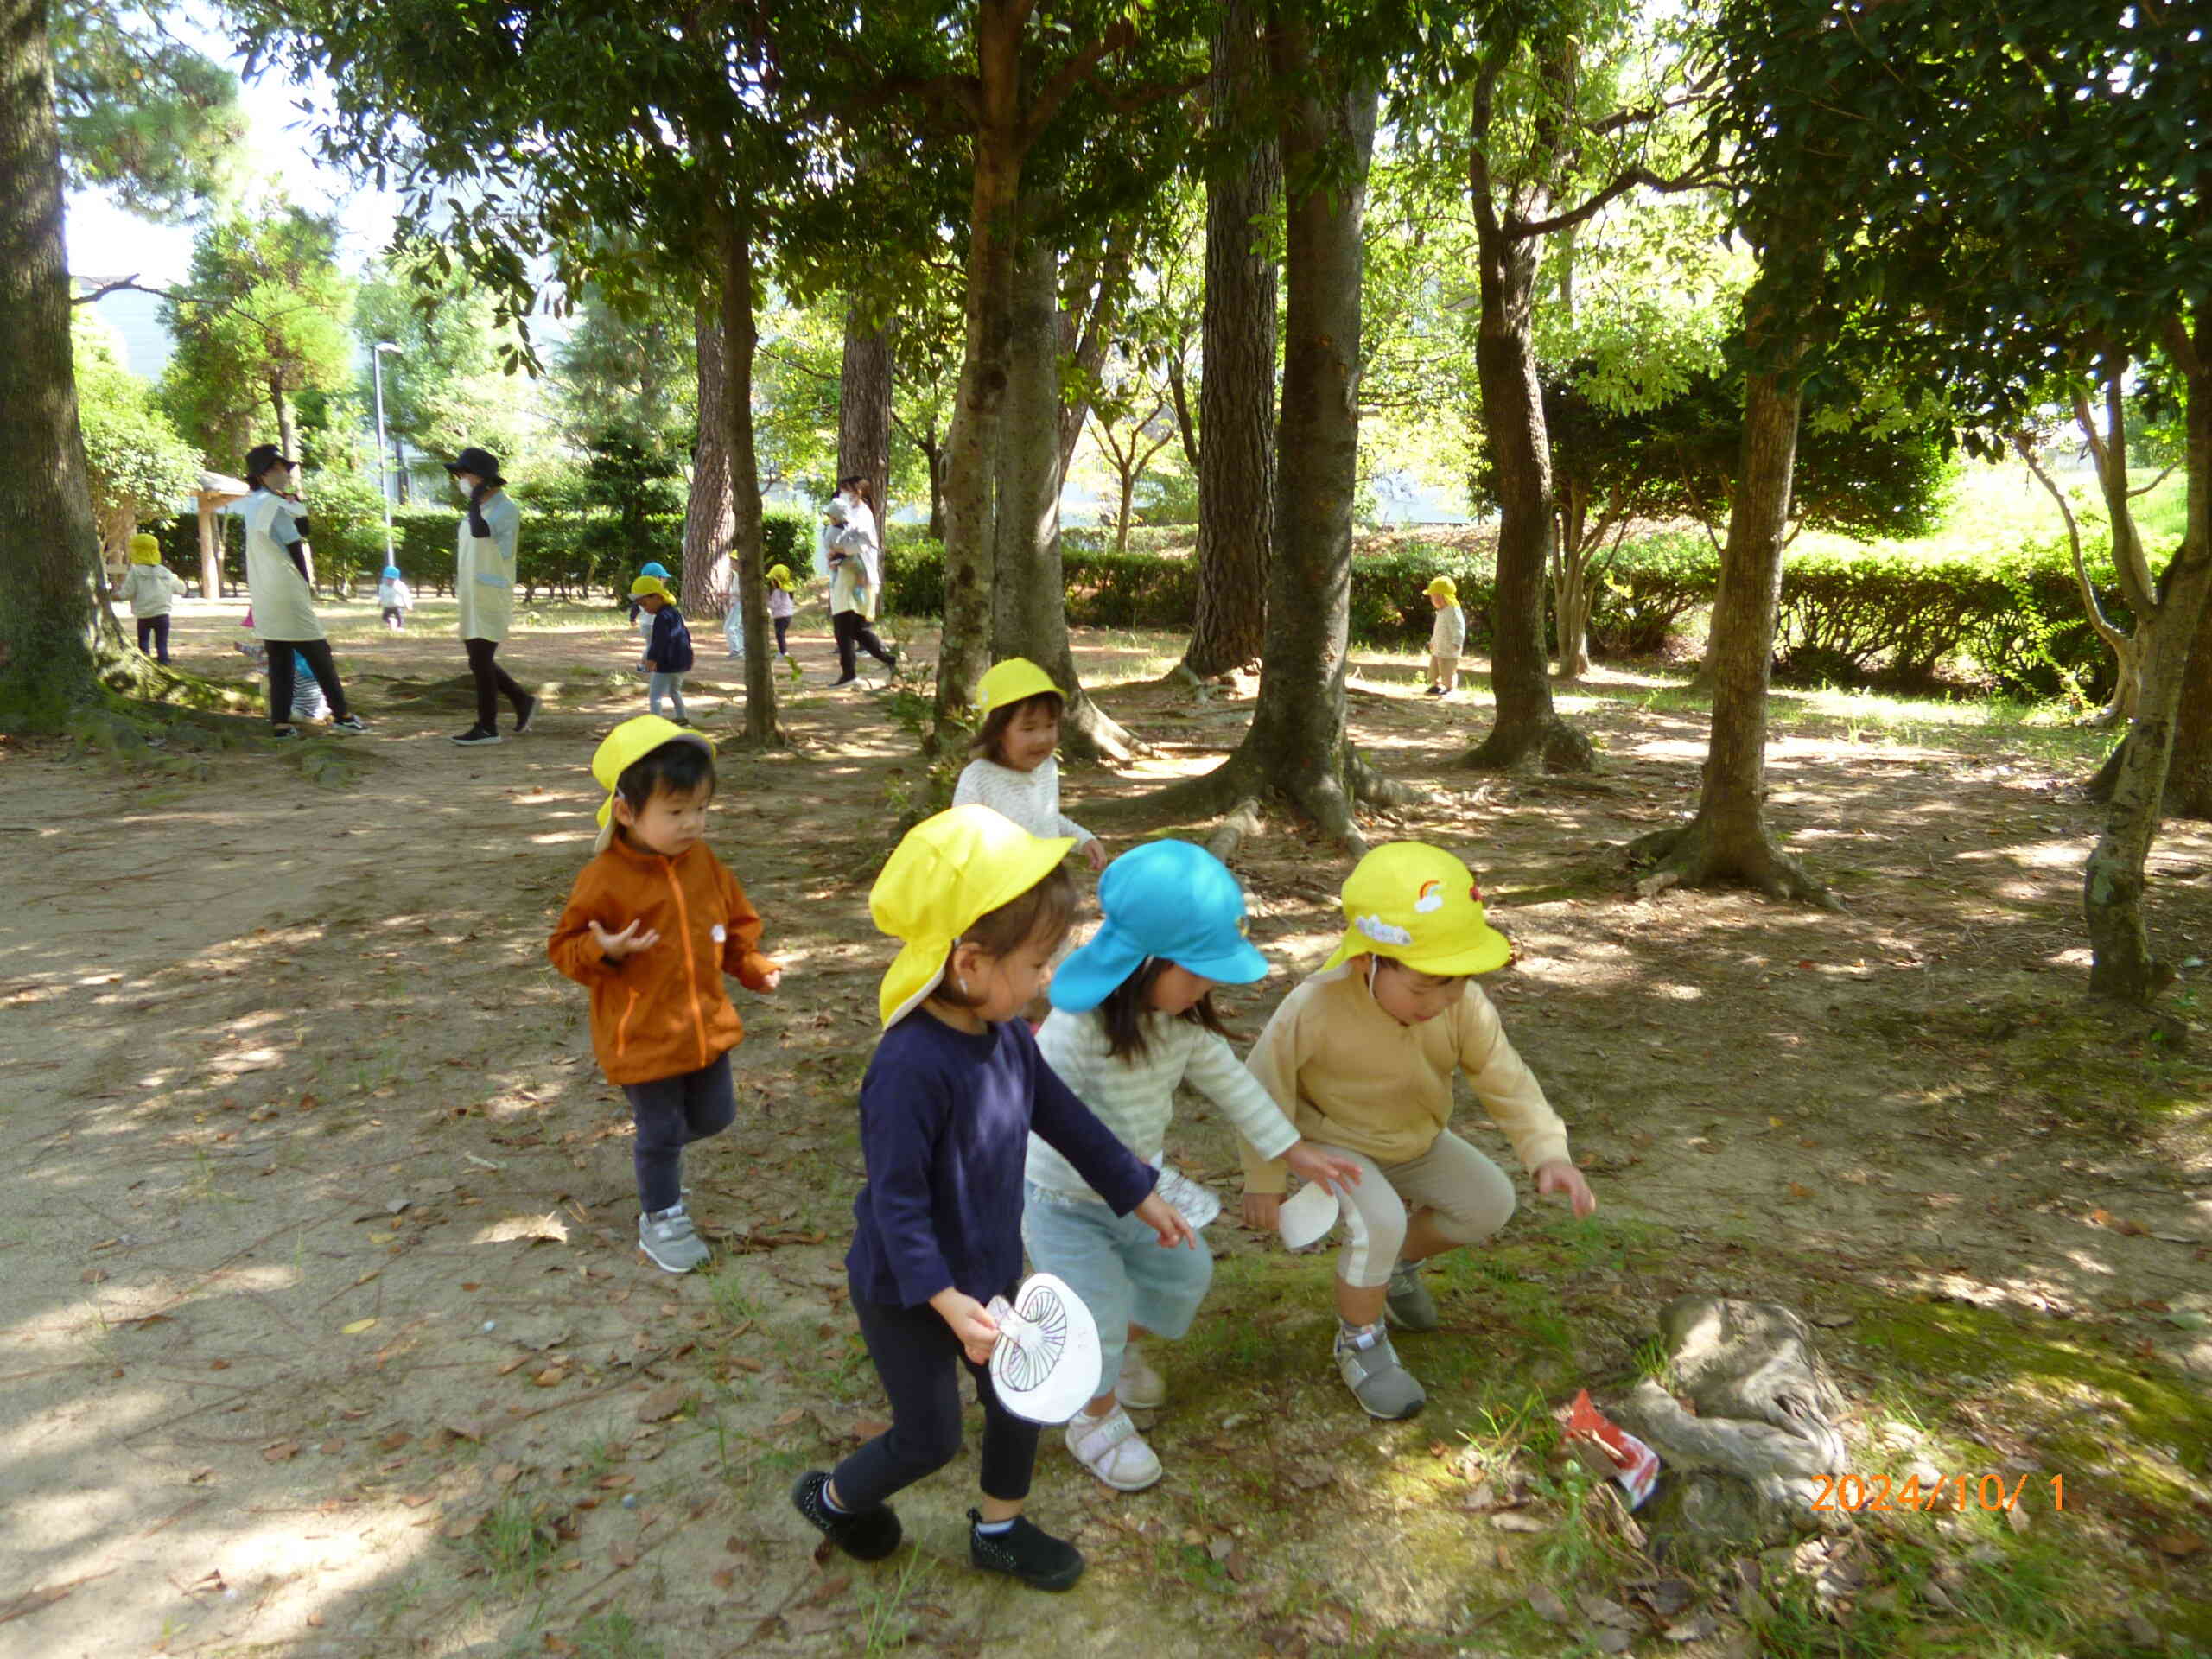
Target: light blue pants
1116,1264
665,685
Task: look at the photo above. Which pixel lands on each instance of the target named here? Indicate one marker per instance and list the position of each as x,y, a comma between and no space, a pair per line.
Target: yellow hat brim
1012,681
1486,952
623,748
920,964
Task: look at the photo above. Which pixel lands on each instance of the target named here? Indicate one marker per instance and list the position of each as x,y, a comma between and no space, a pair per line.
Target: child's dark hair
991,738
1046,911
1123,1011
674,768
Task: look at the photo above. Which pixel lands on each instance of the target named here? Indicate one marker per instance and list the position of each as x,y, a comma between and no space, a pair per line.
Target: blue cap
391,570
1166,898
656,568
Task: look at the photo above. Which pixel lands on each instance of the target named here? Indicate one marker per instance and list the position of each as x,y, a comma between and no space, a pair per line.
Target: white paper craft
1306,1219
1198,1204
1045,1366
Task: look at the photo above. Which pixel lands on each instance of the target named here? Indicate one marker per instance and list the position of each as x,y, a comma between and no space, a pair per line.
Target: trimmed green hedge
564,557
2009,620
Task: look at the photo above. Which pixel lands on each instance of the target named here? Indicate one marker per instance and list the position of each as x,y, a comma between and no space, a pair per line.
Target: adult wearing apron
283,604
856,579
484,585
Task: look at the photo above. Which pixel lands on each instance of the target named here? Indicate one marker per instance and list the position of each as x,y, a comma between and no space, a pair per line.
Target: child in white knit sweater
1133,1017
1014,772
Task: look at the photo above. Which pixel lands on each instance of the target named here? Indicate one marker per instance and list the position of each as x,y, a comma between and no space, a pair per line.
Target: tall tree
1549,143
141,113
864,405
1236,398
1995,266
51,548
136,465
710,509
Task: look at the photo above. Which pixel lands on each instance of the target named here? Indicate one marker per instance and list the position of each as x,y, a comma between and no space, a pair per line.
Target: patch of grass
887,1617
513,1545
614,1635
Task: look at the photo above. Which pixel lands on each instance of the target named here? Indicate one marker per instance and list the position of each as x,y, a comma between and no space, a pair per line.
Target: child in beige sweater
1360,1058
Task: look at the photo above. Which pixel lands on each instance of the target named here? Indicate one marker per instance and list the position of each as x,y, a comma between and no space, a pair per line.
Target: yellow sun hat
622,748
780,575
1418,905
144,550
1443,587
946,872
644,585
1010,681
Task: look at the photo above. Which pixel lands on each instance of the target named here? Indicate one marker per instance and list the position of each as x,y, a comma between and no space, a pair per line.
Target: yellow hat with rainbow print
1418,905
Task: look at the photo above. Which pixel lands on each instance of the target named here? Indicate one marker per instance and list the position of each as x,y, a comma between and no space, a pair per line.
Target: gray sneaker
1409,1306
1383,1388
669,1238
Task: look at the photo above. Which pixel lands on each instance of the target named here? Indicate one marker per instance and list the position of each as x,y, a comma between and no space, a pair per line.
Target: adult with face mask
283,603
484,583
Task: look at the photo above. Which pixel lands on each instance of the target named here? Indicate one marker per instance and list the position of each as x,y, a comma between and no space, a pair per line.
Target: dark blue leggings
156,627
920,1361
671,1113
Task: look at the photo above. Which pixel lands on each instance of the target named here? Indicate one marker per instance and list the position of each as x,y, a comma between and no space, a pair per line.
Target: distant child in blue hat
1133,1017
395,598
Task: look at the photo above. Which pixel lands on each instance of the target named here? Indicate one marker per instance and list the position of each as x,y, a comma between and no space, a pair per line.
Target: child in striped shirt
1133,1017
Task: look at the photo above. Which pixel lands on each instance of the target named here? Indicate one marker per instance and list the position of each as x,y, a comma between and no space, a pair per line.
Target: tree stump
1741,1467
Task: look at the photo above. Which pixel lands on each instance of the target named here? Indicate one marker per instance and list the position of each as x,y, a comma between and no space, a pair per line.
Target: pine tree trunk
2189,780
864,409
1237,400
1030,592
49,547
1298,746
709,516
2114,882
1513,424
734,242
1728,841
965,651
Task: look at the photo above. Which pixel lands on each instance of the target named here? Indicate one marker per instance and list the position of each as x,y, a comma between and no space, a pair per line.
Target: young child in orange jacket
652,924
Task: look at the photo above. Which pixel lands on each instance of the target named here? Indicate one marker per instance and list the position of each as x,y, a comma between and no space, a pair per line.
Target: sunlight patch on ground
511,1229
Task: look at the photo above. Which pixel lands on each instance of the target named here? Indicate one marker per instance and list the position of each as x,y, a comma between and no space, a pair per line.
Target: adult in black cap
484,583
283,603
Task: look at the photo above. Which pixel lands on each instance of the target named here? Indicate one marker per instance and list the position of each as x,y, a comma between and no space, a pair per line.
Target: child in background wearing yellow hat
1447,636
783,604
950,1101
1014,772
149,586
652,924
1360,1058
669,656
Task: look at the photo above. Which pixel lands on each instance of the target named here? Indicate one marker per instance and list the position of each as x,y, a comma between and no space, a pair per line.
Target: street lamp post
384,483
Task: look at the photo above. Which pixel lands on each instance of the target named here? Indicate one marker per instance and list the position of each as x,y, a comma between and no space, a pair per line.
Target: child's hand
1095,851
1323,1169
970,1323
616,946
1557,1175
1165,1219
1261,1210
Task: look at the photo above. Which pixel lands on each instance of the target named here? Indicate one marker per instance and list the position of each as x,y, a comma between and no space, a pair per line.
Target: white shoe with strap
1111,1448
1139,1387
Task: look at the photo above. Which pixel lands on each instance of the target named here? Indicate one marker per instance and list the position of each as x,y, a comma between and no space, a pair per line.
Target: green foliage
632,370
263,316
141,112
447,387
136,465
787,537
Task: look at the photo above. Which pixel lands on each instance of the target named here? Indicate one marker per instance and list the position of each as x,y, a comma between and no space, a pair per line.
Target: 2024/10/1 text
1856,1492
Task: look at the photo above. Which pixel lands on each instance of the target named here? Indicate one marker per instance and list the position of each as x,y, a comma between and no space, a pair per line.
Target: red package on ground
1636,1465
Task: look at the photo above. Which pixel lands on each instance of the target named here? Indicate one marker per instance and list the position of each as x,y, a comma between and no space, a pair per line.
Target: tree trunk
965,651
1030,596
1085,337
1237,399
49,547
1298,745
2114,882
709,517
1513,425
1728,841
935,455
734,241
864,409
2189,780
211,552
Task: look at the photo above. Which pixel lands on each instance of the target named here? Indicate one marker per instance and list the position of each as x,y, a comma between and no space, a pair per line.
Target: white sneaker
1111,1448
1141,1387
669,1238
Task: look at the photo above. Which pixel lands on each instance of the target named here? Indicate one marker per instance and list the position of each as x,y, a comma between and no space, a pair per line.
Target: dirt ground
322,1330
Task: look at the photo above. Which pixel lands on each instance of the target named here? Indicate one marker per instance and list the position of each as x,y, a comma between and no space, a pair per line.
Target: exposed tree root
1241,781
1243,822
1371,788
1559,745
1691,856
1089,732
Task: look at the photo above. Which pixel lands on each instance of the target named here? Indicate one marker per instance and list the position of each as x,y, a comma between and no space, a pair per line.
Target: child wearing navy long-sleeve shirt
947,1107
